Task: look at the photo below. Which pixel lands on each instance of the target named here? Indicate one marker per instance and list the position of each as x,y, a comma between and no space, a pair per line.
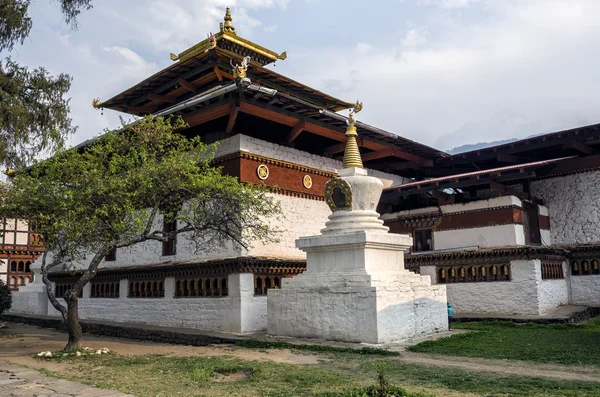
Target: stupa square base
356,290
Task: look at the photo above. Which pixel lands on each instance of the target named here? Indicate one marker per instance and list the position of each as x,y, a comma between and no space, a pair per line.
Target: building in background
20,246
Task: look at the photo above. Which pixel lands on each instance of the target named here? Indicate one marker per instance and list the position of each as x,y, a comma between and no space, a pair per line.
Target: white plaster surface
239,312
552,293
573,206
483,237
299,217
585,290
518,296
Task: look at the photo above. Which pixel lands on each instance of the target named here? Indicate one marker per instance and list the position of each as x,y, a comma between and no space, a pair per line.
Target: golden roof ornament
228,25
96,103
239,70
352,157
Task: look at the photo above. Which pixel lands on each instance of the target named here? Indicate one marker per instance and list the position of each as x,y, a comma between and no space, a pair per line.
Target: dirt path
32,340
506,367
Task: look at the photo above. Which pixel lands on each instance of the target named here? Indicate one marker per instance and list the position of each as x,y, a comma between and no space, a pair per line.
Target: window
552,271
196,288
423,240
111,256
264,283
169,247
146,289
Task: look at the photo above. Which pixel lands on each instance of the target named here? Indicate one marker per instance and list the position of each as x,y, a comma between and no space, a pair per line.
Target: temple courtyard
475,359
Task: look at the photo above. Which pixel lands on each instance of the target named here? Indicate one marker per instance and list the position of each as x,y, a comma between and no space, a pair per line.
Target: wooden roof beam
509,158
208,113
162,98
407,165
187,85
232,117
503,189
218,73
580,147
295,132
340,147
387,152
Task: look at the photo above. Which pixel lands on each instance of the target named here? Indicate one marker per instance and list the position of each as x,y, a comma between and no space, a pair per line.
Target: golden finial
174,57
352,154
96,103
282,56
228,26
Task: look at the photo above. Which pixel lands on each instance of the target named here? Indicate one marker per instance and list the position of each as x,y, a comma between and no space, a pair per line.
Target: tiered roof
201,87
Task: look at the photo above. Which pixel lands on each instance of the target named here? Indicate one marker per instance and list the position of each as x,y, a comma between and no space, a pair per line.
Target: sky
441,72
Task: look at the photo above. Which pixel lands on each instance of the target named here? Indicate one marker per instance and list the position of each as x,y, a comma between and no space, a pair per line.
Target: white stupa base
356,290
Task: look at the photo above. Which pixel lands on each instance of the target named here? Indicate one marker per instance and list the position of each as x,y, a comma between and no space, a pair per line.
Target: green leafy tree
5,297
34,113
115,193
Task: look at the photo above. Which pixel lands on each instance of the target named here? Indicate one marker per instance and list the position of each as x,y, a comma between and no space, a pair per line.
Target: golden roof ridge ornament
228,25
96,103
352,157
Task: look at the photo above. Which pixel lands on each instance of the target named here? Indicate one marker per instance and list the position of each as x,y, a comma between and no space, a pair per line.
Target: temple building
511,229
20,246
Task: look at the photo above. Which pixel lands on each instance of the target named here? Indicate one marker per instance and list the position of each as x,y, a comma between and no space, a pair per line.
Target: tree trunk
72,323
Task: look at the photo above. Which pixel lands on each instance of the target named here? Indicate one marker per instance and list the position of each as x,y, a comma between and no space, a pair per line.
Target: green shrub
5,298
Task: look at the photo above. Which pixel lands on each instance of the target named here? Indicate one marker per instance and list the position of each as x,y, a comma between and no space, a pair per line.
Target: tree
34,114
5,297
114,194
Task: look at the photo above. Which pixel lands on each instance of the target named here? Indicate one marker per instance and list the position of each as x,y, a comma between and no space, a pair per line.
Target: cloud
271,28
532,58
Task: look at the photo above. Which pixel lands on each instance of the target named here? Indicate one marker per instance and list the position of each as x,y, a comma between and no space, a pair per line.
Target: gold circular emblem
262,171
307,181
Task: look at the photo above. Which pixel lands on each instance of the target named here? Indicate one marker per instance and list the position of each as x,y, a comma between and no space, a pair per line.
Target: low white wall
484,237
518,296
239,312
585,290
552,293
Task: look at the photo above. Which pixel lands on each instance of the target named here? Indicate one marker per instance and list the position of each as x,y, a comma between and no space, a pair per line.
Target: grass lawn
577,344
337,373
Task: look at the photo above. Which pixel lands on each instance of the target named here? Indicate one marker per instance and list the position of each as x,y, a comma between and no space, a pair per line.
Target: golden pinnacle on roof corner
352,157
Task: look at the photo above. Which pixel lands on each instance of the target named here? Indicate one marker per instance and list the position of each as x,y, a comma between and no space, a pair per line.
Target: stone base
356,290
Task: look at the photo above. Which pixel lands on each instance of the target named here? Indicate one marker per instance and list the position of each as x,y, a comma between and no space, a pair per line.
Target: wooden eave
202,71
580,141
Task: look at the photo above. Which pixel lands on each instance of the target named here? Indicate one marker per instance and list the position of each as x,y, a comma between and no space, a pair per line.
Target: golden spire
352,154
228,26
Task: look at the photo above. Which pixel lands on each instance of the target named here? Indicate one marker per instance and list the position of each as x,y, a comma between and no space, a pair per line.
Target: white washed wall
483,237
573,206
518,296
552,293
300,217
585,290
239,312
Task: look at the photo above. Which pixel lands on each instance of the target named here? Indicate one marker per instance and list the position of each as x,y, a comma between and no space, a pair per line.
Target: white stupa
355,287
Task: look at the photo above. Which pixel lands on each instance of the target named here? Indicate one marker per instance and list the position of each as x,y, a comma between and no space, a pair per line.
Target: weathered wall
573,206
518,296
239,312
552,293
585,290
483,237
300,217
